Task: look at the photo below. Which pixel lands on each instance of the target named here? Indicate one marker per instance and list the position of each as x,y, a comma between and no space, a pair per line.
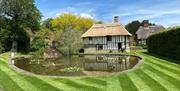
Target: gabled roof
144,32
109,29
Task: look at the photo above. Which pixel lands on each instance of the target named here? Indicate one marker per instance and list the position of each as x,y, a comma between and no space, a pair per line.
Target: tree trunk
14,48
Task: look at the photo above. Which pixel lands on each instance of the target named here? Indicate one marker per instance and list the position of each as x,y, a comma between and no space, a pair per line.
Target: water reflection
77,65
109,63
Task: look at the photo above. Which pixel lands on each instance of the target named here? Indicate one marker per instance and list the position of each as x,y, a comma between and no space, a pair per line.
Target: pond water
87,65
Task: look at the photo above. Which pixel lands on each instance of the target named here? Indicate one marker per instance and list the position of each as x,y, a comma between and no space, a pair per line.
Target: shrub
81,50
5,40
144,46
165,43
37,44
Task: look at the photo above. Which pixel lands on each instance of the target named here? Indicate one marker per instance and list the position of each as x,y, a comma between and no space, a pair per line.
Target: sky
161,12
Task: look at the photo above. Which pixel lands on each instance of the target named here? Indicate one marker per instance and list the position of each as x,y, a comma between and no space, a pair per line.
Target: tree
4,40
41,39
83,24
64,22
133,26
99,22
68,29
19,15
47,23
70,41
73,22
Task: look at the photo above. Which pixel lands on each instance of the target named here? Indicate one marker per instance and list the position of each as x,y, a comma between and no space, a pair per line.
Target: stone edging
21,71
1,88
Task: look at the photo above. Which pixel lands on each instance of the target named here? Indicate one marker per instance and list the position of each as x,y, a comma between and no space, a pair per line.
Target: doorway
119,46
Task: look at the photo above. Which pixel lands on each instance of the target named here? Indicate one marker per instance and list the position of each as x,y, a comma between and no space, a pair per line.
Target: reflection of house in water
107,63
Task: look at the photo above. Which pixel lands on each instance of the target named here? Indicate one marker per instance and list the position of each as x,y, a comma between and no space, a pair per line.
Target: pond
84,65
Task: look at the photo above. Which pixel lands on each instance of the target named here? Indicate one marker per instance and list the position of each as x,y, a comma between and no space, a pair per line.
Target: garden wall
166,43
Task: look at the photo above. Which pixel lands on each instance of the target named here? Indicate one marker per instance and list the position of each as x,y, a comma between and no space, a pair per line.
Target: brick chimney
116,19
145,23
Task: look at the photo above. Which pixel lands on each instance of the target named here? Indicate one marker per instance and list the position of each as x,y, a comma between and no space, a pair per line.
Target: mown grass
126,83
155,74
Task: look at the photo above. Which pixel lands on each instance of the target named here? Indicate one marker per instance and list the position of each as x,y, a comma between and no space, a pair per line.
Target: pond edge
23,72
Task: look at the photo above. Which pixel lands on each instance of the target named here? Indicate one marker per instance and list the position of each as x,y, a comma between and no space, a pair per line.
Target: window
109,38
90,38
100,47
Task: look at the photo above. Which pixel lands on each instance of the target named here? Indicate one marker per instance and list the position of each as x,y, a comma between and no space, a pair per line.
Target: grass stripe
9,84
173,75
165,67
44,86
162,64
162,81
113,84
154,85
126,83
162,61
18,79
77,85
94,81
56,84
138,82
164,76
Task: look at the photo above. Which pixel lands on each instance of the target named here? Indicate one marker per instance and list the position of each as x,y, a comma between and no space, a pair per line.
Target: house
144,31
107,37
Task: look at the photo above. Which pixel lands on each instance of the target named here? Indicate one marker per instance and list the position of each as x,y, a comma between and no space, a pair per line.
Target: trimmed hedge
165,43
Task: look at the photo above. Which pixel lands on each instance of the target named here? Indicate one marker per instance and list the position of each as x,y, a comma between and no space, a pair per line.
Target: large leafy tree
73,22
68,29
20,15
133,26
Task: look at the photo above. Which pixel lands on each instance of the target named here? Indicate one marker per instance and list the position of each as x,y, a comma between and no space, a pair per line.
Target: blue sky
163,12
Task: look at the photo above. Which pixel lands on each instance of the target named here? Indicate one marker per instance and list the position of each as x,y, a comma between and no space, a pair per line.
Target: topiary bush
165,43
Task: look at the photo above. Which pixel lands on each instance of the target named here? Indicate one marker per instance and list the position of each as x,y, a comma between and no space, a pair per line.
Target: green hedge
165,43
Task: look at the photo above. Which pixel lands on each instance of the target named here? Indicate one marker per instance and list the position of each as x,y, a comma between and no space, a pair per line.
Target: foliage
133,27
68,29
144,46
165,43
99,22
5,40
38,53
40,41
47,23
37,44
73,22
81,50
19,15
70,41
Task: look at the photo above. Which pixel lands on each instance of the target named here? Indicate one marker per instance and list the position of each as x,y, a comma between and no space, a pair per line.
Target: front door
119,46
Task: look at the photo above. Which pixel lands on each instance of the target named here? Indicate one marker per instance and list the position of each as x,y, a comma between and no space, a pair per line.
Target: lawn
155,74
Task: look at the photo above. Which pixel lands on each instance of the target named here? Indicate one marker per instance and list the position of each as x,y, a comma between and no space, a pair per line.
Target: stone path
1,89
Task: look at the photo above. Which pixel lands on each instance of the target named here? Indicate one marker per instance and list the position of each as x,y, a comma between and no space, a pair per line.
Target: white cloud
167,14
77,11
86,15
